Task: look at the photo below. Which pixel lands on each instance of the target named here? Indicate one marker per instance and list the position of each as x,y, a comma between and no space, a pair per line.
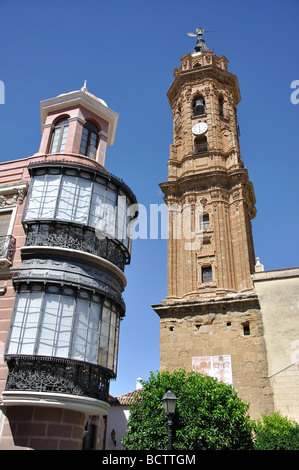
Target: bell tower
211,308
206,172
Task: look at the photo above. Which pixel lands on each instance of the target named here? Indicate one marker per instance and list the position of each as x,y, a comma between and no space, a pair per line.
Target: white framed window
59,136
7,241
5,223
89,140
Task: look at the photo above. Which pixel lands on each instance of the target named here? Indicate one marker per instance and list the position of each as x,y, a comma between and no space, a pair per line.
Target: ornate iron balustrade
77,237
7,247
42,374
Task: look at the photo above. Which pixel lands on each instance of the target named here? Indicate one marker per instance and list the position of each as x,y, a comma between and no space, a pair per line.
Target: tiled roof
124,400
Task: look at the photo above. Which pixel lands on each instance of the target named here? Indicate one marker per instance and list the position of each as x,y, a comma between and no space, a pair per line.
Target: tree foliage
209,415
275,432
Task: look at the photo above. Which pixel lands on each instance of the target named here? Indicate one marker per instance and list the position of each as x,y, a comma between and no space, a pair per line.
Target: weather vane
199,32
200,45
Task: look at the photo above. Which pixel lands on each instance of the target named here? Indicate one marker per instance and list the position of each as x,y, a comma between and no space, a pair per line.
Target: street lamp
169,403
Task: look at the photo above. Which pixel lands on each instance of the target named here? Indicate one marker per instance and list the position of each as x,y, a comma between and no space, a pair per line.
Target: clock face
199,128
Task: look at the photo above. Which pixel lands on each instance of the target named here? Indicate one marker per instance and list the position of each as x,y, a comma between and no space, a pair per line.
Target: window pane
207,274
103,351
83,195
107,223
25,323
55,140
74,199
47,334
109,337
91,151
80,330
111,196
35,197
49,199
98,197
121,218
66,198
43,197
63,139
83,145
89,140
56,325
59,136
4,222
104,335
116,343
86,331
93,138
93,333
205,222
19,310
30,324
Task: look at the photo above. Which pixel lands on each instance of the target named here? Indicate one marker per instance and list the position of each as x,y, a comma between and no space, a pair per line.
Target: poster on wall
219,367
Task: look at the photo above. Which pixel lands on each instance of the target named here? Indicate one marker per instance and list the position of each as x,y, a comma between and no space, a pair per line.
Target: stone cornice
199,307
206,180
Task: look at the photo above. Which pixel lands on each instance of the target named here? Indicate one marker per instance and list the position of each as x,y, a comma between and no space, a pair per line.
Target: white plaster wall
117,419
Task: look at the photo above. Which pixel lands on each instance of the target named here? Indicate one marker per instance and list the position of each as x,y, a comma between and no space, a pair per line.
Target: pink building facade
65,240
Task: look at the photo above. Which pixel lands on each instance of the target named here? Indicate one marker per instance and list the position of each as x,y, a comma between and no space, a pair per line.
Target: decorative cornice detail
17,199
17,189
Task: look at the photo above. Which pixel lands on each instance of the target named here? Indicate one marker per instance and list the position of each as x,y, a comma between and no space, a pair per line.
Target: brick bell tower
211,319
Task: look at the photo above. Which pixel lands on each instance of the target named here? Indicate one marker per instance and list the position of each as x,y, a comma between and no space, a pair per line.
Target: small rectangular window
4,223
7,241
206,274
246,329
205,223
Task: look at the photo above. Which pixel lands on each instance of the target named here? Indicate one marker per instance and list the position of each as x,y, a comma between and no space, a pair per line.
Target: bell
199,102
199,106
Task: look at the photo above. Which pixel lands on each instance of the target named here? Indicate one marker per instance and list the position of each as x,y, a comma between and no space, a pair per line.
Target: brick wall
40,428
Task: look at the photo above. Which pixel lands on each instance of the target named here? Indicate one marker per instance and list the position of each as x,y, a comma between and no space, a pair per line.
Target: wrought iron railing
76,237
42,374
7,247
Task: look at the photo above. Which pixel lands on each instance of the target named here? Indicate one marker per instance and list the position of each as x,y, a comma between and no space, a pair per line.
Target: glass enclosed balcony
77,209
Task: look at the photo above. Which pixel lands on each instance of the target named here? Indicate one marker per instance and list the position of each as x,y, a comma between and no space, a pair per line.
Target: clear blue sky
127,52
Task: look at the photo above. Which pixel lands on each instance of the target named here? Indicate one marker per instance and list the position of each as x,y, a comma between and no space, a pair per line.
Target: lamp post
169,403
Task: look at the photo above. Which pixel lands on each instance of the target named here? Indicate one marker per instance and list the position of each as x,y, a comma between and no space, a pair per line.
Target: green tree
276,432
209,415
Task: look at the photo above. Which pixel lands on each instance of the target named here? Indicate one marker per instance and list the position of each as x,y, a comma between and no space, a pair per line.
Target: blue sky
127,52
